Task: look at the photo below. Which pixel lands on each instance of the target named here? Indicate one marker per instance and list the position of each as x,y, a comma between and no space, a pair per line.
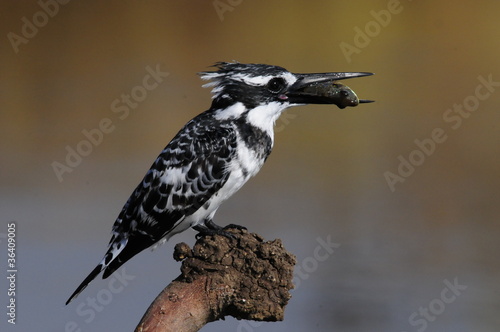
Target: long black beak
323,88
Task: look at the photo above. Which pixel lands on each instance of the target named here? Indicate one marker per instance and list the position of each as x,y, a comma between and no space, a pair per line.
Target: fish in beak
324,88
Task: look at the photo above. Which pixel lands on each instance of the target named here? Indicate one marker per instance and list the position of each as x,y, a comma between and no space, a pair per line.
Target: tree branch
244,277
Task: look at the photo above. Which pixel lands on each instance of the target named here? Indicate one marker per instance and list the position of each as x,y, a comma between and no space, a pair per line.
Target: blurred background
404,190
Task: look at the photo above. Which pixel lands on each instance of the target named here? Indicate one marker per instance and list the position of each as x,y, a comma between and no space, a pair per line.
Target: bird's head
262,92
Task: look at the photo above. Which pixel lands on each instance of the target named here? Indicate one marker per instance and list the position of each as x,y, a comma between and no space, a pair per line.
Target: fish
335,93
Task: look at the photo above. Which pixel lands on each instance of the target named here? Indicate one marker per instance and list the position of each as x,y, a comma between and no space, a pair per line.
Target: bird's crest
228,73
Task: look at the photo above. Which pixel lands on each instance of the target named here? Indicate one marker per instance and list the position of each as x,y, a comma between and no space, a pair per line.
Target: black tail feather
87,280
127,253
134,246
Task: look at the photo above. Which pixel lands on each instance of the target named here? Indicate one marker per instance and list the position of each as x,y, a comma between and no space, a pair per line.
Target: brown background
325,178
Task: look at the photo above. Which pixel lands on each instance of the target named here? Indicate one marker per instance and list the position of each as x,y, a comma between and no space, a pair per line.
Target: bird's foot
211,228
206,231
234,226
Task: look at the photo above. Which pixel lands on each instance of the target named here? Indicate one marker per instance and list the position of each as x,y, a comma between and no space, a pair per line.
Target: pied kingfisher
214,155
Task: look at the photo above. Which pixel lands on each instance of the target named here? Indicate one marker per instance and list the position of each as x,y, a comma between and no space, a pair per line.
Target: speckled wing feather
188,172
184,177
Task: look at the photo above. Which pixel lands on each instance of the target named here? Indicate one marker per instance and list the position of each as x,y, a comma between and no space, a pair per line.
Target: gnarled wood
244,277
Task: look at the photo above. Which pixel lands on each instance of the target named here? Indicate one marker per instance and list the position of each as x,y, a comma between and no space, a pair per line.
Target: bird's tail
87,280
117,254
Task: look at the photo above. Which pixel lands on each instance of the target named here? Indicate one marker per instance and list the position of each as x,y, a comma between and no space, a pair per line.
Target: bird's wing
187,173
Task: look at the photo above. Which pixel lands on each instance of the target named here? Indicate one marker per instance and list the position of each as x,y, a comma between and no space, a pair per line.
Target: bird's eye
276,84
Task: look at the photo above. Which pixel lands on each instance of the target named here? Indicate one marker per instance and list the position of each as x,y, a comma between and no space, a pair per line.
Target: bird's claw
235,226
221,232
210,228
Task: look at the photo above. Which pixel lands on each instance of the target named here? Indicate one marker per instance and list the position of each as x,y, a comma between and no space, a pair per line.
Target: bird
214,155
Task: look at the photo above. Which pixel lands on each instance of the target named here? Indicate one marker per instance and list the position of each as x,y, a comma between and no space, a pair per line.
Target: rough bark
244,277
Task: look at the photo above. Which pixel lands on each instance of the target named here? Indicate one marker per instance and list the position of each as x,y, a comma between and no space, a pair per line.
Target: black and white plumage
214,155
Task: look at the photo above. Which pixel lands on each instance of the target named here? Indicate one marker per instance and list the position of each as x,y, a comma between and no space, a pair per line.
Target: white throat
264,116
